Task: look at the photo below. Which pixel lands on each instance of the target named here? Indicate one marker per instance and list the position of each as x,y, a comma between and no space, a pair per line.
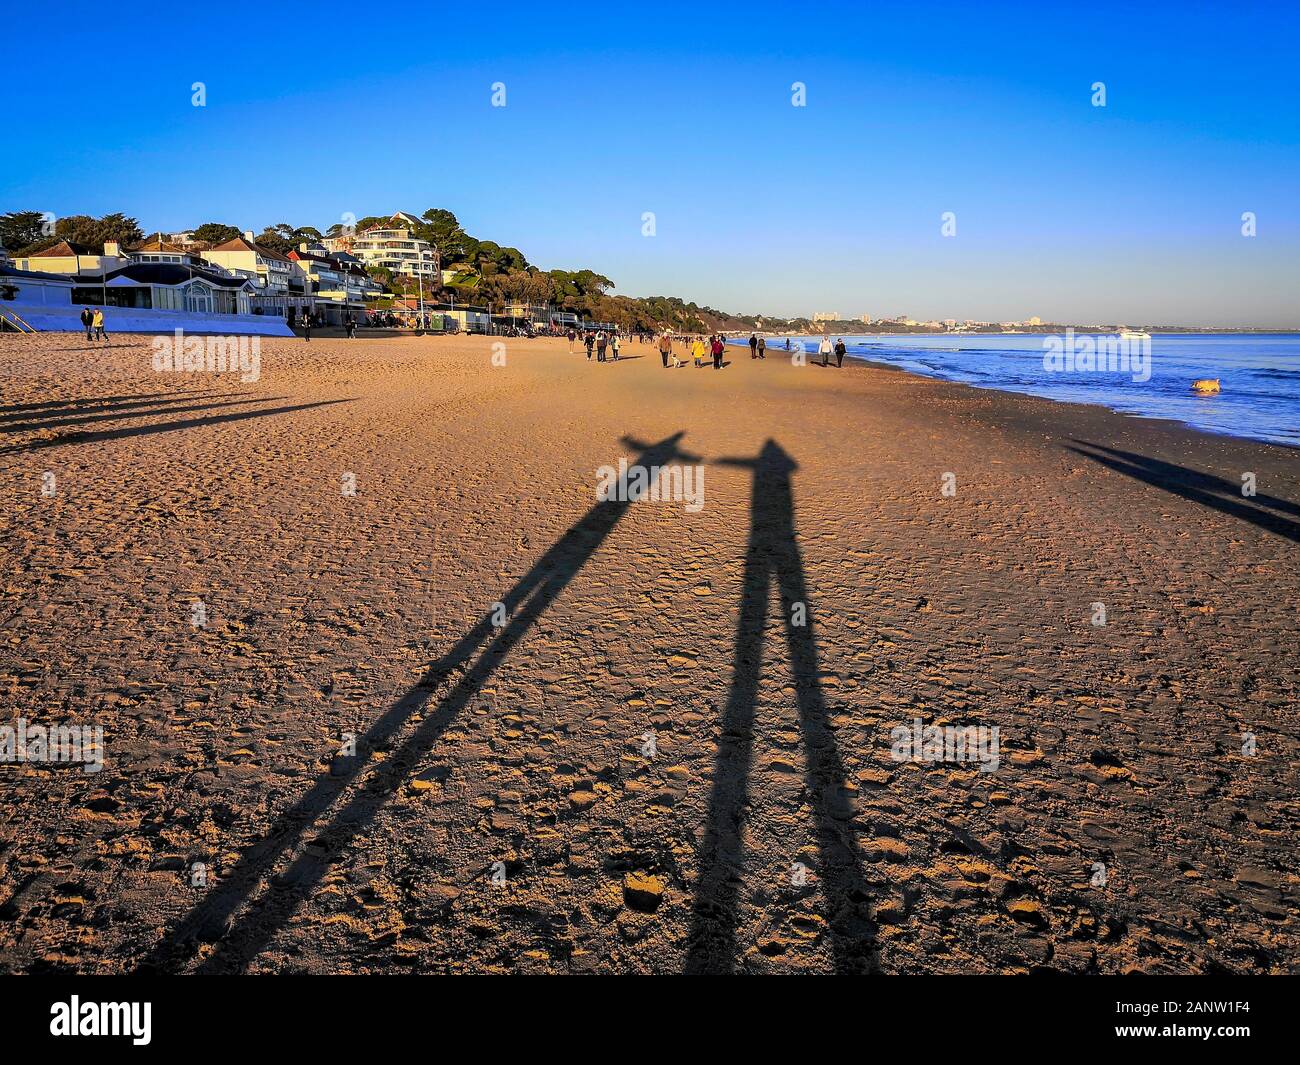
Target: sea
1258,373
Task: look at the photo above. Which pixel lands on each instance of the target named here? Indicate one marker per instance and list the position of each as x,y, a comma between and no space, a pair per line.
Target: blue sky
1128,213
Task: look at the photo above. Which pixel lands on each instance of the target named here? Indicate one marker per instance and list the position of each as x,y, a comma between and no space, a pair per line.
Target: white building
340,285
393,247
157,250
137,298
282,289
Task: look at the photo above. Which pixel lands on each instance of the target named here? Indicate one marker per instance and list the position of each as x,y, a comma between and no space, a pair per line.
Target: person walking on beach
762,348
306,328
665,348
351,323
571,335
840,351
717,352
602,342
616,345
698,350
824,348
88,320
588,340
98,321
753,346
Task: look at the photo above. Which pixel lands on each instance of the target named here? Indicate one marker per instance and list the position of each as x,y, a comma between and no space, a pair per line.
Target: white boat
1134,334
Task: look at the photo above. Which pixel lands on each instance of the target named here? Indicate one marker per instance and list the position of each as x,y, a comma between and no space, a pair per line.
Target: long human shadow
64,419
241,938
1204,488
10,411
773,557
81,437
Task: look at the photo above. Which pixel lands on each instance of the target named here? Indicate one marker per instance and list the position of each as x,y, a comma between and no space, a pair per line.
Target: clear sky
1128,213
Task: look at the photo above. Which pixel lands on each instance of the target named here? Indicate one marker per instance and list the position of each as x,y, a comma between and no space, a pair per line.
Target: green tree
90,231
383,275
441,229
21,230
83,229
215,233
272,238
292,236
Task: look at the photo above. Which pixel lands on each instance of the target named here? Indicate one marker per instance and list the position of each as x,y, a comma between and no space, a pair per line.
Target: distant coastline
1038,330
1259,371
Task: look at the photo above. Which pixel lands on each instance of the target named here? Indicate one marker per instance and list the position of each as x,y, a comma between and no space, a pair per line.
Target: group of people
93,320
606,346
824,349
306,323
697,348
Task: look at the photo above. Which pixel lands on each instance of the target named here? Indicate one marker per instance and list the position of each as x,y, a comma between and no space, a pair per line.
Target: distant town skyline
958,163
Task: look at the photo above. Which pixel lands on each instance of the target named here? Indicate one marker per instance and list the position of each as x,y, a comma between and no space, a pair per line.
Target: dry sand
770,830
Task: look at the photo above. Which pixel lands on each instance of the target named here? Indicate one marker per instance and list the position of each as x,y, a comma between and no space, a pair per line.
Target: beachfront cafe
143,297
165,287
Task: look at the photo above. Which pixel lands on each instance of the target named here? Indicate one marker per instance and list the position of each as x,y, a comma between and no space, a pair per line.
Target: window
198,299
167,299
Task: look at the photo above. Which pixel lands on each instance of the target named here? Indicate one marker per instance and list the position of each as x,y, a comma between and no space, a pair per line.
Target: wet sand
657,762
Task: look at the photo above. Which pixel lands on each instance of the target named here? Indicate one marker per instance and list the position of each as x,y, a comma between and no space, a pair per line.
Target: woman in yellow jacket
698,350
98,322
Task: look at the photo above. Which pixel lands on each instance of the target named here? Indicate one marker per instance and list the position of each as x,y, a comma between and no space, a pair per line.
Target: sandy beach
470,719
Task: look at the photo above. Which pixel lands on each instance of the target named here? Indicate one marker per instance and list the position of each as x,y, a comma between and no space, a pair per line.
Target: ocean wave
1259,403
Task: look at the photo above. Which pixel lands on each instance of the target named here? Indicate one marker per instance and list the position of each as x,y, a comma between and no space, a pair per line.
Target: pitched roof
308,257
242,244
158,245
403,221
62,249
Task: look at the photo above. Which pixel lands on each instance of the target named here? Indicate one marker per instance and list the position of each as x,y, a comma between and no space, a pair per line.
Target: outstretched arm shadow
241,936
